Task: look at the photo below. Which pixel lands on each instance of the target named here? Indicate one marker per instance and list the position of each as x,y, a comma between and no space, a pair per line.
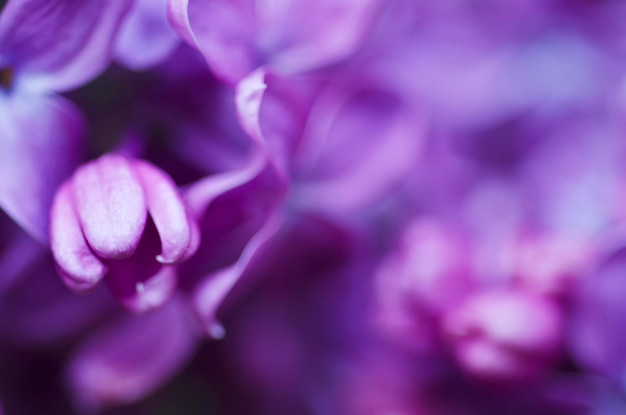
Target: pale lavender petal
223,31
61,43
249,97
111,206
145,38
80,268
167,210
40,147
131,357
178,15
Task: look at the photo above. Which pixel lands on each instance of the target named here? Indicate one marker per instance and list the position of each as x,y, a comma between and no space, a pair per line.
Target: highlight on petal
42,140
111,206
63,43
78,265
167,210
131,357
178,16
145,38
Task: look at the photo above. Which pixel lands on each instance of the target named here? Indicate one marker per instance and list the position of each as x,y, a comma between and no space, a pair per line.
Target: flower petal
369,140
210,293
40,147
146,37
131,357
64,43
236,37
111,206
80,268
167,210
222,30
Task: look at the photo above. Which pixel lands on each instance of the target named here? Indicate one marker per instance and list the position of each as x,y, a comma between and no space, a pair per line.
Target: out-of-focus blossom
124,219
505,335
308,128
145,38
237,37
131,356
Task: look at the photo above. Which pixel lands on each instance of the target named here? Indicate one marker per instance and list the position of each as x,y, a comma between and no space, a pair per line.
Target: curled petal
178,16
210,294
63,43
167,210
222,30
130,358
80,268
111,206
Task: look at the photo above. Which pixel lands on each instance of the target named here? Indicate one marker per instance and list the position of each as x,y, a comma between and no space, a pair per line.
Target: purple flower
125,219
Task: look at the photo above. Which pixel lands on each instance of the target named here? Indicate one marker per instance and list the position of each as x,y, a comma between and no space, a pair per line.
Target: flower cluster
355,207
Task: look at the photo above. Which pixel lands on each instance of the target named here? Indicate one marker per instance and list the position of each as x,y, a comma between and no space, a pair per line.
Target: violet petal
146,37
111,206
80,268
63,43
131,357
40,147
167,211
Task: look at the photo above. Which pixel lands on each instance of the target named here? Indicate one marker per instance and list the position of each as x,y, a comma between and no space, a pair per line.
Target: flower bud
126,220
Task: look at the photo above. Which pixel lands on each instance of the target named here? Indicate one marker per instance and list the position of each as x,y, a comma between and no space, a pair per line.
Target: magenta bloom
126,220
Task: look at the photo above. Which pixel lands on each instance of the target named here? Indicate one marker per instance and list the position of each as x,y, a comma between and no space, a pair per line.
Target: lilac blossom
332,207
123,219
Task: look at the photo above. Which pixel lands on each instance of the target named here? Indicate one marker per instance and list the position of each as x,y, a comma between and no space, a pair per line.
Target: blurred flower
237,37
